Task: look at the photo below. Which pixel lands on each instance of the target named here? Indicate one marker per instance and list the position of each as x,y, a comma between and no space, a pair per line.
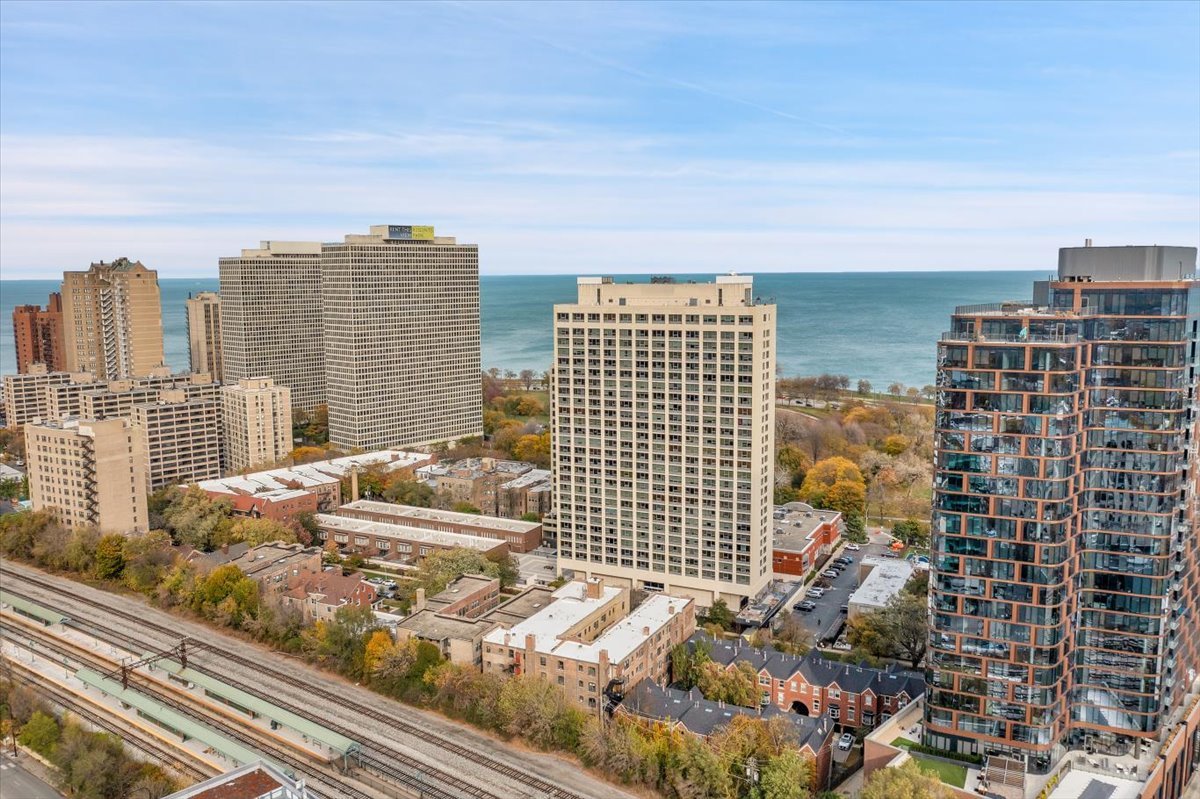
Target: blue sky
614,137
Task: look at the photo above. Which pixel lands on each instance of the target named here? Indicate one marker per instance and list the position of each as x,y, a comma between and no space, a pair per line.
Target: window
835,712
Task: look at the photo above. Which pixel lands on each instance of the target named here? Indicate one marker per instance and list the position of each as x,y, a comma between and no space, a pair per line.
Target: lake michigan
881,326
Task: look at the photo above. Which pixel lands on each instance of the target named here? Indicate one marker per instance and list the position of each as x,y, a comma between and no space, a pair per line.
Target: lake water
878,326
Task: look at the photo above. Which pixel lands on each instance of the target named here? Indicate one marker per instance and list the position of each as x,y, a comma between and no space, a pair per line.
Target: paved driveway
824,621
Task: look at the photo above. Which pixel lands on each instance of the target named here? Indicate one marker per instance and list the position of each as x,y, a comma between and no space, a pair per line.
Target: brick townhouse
851,695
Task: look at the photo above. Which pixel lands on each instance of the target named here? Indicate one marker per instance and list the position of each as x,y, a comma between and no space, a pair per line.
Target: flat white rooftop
400,532
312,474
887,578
571,605
449,516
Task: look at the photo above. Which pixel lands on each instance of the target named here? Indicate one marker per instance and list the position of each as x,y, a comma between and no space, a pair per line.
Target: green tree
911,532
40,733
259,531
788,775
466,507
12,489
227,594
907,781
196,519
110,557
900,629
687,660
340,643
409,492
864,387
720,614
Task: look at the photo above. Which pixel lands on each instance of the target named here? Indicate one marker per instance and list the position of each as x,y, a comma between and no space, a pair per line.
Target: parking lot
824,620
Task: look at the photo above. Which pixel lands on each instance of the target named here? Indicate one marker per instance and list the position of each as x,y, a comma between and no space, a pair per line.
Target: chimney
670,610
530,642
646,631
419,603
354,485
595,587
1087,242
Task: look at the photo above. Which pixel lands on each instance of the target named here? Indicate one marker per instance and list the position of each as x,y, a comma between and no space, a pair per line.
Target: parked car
845,561
830,573
805,606
816,593
845,608
846,742
890,555
852,547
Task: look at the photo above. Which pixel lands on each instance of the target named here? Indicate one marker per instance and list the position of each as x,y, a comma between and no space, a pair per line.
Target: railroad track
376,757
155,752
259,742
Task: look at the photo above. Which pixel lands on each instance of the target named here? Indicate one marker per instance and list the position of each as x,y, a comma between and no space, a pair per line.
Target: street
17,783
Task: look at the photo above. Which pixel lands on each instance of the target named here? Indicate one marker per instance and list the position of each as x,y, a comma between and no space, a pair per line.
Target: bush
40,733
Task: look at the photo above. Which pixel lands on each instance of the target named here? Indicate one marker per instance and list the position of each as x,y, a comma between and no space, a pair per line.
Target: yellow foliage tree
825,474
379,646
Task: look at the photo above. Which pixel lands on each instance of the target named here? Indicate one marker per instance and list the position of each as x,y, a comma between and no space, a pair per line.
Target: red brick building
852,696
38,335
280,506
320,595
803,535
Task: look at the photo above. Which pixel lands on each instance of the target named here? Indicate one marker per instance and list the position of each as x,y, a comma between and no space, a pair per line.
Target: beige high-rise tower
664,427
112,320
204,333
271,324
88,473
257,417
181,436
401,312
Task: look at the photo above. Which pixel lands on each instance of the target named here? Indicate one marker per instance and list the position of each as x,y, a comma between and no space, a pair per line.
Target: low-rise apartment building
445,622
397,542
690,711
497,487
810,685
321,478
879,580
281,505
803,535
587,640
271,565
520,536
320,595
88,473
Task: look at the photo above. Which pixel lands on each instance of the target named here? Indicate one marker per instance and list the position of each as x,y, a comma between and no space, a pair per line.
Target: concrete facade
271,320
663,444
256,420
204,333
112,320
88,473
181,437
401,326
520,536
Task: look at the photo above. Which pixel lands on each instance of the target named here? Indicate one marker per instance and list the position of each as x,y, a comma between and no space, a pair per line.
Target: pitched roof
705,717
815,669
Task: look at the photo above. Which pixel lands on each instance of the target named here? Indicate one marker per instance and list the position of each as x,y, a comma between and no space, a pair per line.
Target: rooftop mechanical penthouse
1064,584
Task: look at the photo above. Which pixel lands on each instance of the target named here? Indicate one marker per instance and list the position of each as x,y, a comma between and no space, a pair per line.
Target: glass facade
1063,577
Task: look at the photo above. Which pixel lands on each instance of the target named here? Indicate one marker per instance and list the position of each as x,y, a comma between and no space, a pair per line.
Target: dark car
805,606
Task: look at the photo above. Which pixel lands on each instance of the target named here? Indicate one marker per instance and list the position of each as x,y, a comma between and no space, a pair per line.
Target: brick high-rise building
204,333
664,426
38,335
257,423
1064,590
112,320
401,313
88,473
271,321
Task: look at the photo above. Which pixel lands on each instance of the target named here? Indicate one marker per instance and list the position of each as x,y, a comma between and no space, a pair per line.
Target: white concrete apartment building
112,320
257,423
663,436
204,333
271,320
181,438
25,394
88,473
401,330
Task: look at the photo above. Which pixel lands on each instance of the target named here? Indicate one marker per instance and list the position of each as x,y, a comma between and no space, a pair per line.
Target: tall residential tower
38,335
1064,592
271,323
664,428
112,320
204,333
401,314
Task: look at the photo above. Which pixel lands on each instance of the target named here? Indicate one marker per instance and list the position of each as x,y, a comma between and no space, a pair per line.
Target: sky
599,138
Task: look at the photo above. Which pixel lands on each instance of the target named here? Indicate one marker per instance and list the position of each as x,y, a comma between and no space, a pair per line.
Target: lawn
903,742
949,773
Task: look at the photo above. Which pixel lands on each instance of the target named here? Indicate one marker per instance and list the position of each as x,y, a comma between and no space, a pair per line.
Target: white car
816,593
852,547
846,742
